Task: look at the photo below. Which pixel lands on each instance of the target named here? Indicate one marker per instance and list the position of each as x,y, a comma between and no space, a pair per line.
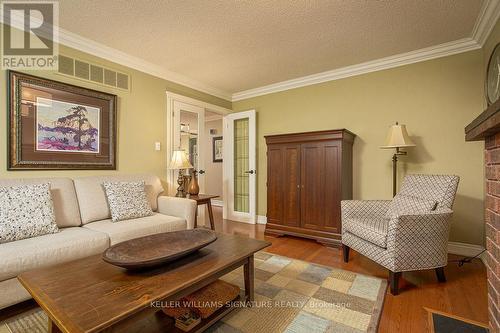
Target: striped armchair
407,233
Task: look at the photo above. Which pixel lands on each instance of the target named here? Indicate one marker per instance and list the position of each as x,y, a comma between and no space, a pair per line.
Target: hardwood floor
464,294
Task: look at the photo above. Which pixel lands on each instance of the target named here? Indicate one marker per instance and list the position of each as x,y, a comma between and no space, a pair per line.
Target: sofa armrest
178,207
420,241
364,208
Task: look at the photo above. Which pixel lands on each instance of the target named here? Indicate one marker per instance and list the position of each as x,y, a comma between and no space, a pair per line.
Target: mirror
189,136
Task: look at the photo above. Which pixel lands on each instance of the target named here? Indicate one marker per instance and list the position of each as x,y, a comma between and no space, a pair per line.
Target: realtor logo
30,35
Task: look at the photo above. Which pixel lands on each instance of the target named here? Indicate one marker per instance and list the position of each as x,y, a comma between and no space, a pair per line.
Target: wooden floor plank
464,294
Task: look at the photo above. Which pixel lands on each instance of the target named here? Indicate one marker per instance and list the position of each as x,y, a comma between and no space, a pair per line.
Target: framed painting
217,149
54,125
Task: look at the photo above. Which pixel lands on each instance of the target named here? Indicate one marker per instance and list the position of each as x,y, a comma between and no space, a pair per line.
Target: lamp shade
179,160
397,138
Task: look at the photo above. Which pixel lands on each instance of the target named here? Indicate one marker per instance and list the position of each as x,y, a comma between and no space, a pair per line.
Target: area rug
291,296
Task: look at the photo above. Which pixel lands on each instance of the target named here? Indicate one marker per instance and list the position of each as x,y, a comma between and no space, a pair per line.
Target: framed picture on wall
54,125
217,149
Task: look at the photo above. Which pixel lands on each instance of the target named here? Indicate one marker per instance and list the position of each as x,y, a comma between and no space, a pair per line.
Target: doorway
196,128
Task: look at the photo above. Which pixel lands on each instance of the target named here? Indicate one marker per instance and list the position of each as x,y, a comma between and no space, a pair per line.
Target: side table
204,199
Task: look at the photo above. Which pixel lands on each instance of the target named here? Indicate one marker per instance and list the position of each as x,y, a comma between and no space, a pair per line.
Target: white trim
170,129
466,249
213,118
438,51
228,167
217,203
488,17
261,219
100,50
97,49
207,106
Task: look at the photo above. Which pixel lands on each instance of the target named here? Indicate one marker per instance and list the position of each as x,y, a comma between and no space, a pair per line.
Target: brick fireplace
487,127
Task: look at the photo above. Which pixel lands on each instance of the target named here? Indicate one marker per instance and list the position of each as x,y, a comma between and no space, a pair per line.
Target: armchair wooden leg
345,252
394,282
440,274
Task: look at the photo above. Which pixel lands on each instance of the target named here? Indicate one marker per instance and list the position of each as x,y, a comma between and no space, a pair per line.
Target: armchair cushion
408,204
373,230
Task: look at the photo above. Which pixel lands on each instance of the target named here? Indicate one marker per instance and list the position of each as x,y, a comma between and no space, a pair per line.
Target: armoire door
320,188
332,186
275,166
291,185
312,175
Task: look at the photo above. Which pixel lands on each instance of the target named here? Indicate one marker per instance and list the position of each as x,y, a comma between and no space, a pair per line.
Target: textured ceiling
238,45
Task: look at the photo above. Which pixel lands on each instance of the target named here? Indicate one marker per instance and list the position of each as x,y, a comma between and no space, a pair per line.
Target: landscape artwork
66,127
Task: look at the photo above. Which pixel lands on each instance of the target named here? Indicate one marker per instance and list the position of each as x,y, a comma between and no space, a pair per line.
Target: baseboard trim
261,219
217,203
466,249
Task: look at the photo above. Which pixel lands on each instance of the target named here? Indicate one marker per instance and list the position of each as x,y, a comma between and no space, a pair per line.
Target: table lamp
397,138
180,162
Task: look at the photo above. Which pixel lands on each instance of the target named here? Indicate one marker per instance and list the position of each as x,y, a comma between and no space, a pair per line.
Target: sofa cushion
26,211
68,244
373,230
144,226
92,198
409,205
63,195
127,200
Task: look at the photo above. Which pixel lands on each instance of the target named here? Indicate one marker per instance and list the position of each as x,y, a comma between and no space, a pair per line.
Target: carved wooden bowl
155,250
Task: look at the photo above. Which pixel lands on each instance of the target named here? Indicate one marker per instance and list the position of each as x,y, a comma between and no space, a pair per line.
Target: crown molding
100,50
97,49
433,52
488,17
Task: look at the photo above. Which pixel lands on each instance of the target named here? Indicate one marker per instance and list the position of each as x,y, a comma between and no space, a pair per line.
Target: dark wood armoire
308,174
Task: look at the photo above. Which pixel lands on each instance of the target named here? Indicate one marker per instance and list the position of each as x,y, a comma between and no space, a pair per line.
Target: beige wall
213,179
436,99
141,119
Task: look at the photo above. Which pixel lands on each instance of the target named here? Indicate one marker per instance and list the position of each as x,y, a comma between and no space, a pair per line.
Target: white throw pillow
409,205
26,211
127,200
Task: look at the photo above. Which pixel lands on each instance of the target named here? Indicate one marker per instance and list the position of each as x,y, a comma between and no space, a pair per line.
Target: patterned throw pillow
26,211
127,200
405,205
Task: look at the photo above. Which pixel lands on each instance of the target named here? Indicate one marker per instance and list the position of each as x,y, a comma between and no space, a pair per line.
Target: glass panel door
239,167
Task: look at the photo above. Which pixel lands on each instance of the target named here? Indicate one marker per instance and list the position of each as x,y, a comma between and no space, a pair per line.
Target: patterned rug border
377,312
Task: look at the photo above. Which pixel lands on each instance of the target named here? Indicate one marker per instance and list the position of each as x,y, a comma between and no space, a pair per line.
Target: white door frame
171,131
201,144
228,167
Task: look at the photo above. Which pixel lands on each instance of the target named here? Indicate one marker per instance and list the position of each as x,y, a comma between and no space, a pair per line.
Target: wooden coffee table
90,295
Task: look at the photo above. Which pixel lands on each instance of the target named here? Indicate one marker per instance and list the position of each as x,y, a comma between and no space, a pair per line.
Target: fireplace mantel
485,125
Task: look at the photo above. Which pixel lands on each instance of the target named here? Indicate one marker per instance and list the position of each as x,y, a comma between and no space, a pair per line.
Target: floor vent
90,72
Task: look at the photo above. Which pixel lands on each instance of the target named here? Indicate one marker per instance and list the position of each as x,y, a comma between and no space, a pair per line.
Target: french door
240,173
189,135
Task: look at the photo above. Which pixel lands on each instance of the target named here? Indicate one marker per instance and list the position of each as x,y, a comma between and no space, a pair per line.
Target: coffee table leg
210,215
249,279
53,327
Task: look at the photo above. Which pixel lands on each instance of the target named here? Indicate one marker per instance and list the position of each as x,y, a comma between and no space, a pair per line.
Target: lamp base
395,169
180,181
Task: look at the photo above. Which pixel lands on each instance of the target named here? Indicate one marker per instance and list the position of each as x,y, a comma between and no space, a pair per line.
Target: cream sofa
85,225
